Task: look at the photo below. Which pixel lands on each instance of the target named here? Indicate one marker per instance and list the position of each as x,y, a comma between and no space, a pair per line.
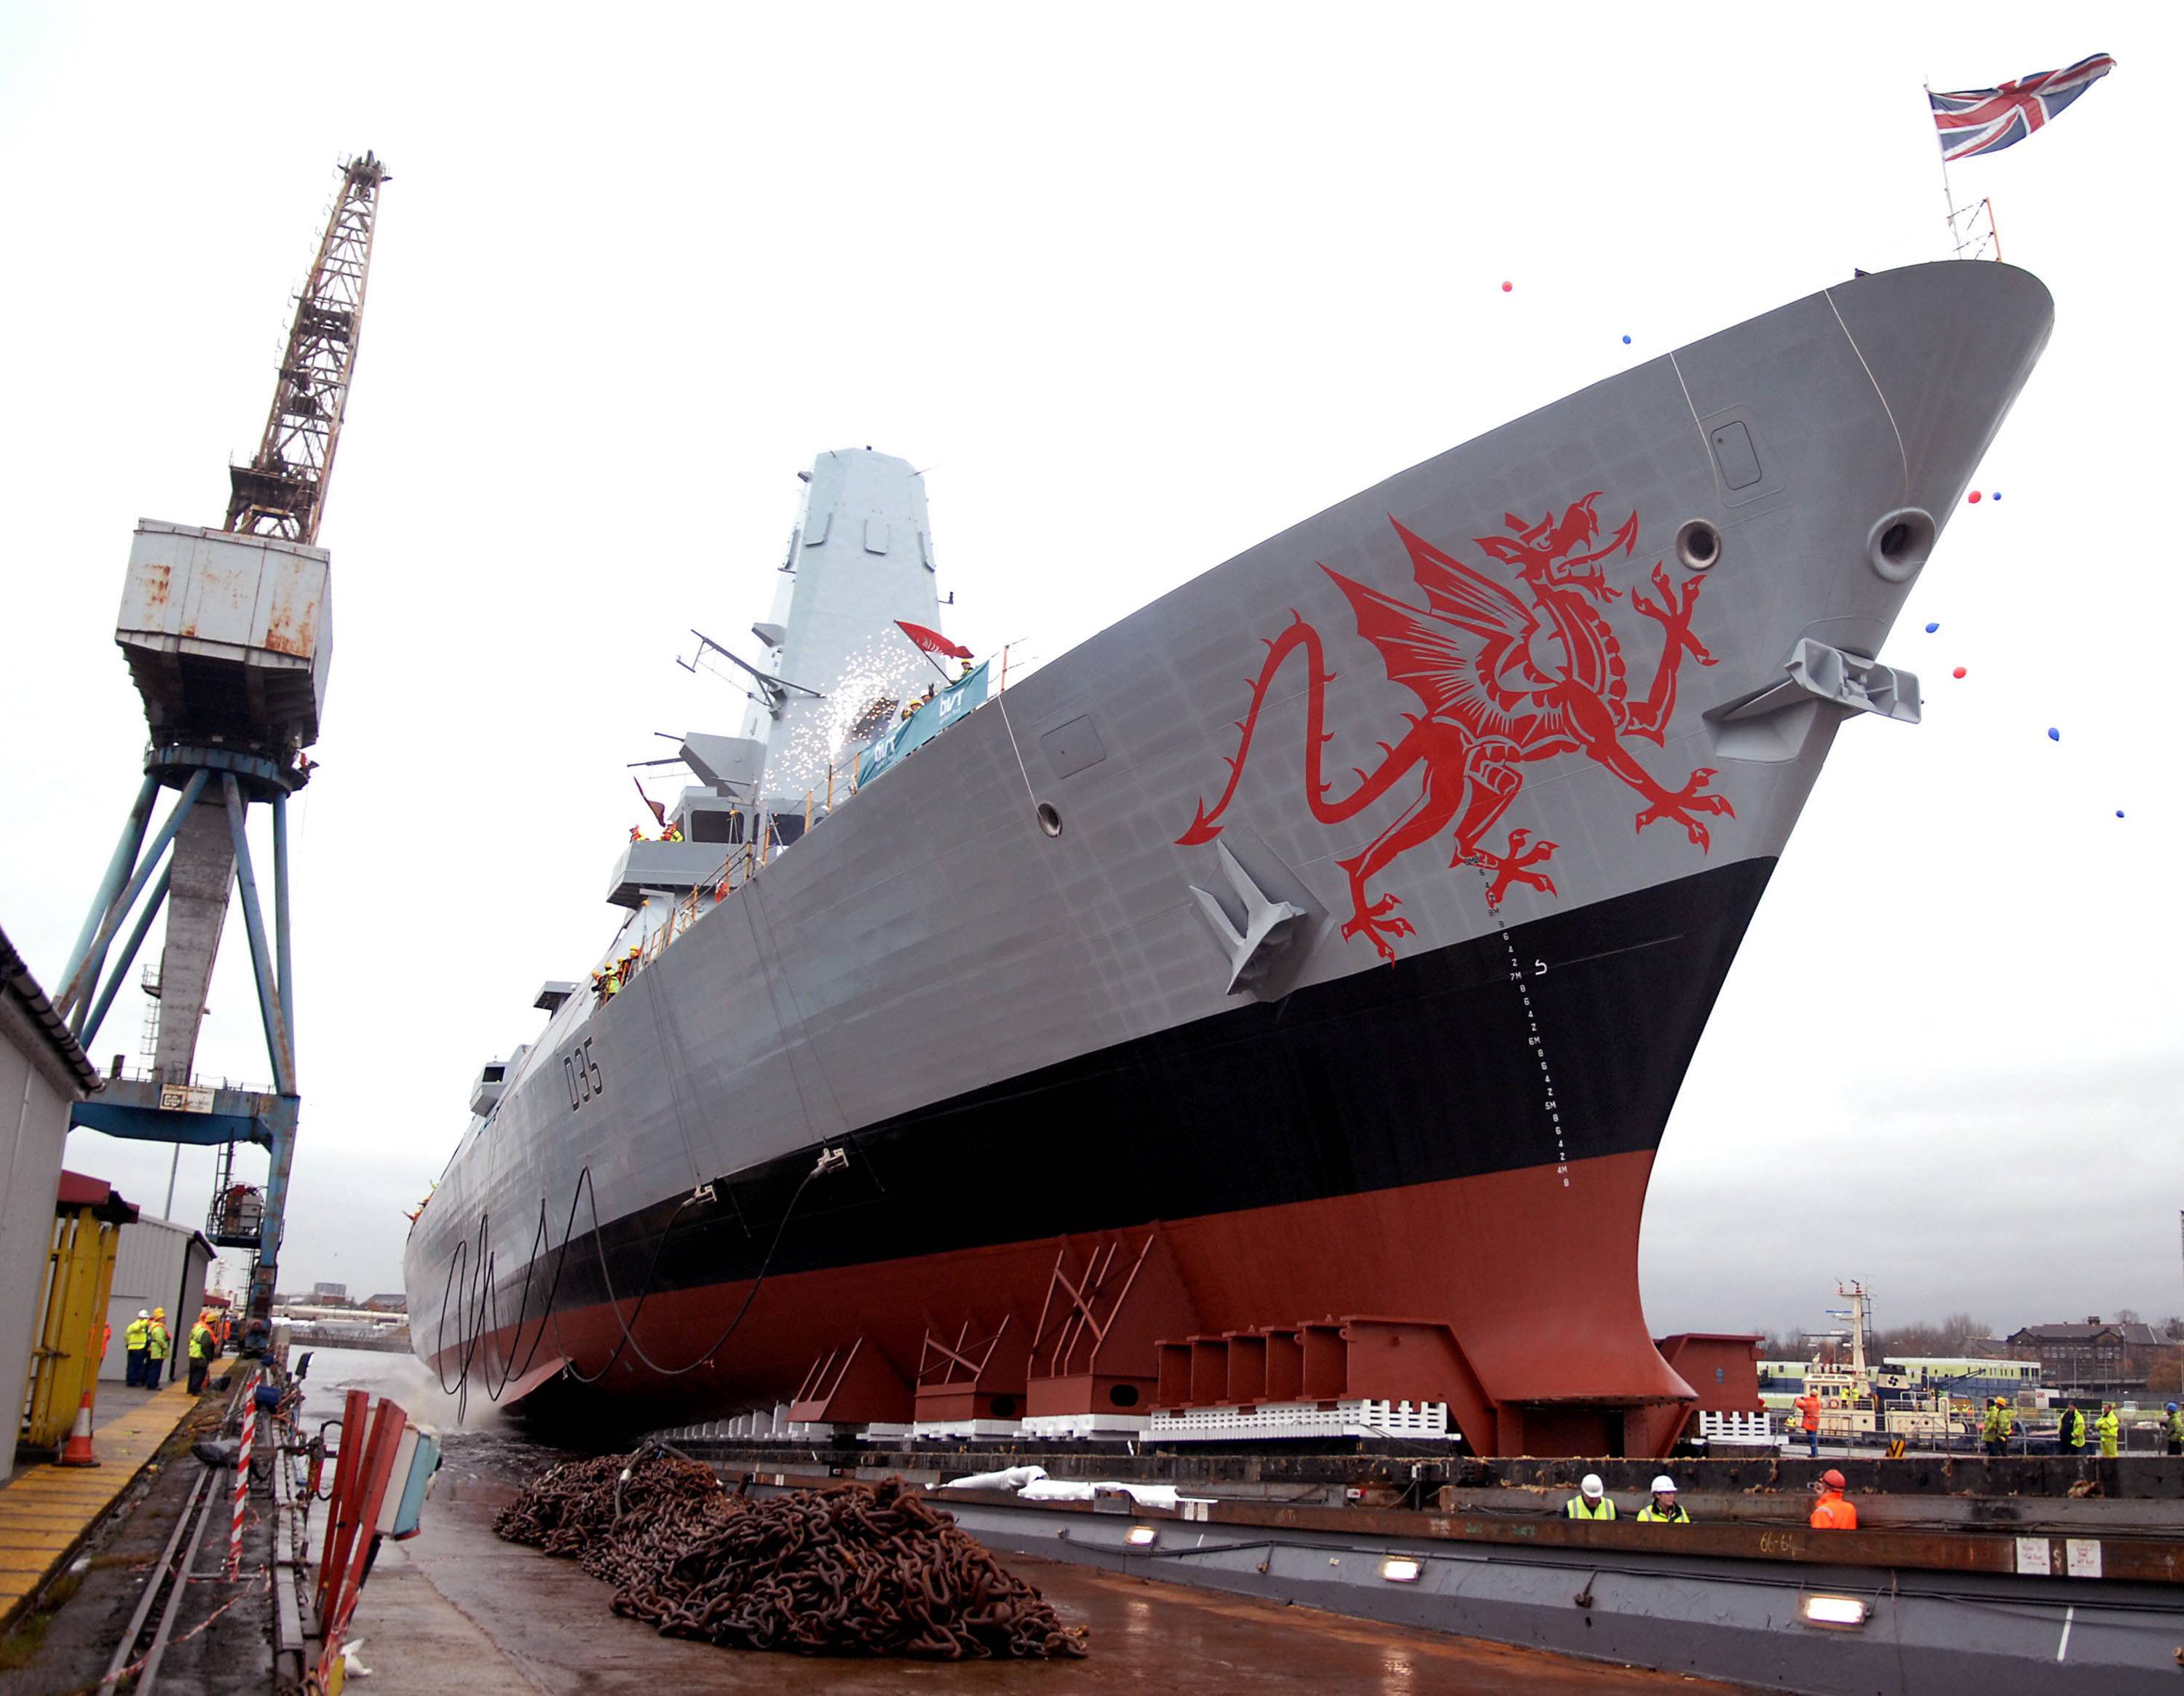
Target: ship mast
282,491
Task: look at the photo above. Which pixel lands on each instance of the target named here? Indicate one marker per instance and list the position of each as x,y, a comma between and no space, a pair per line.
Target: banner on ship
923,726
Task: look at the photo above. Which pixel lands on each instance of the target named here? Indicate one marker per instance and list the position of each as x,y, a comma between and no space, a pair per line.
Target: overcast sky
1141,286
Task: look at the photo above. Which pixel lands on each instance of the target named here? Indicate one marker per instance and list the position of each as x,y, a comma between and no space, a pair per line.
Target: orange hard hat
1832,1479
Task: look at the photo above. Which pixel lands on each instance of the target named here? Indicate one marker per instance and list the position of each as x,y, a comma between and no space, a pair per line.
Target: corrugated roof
16,982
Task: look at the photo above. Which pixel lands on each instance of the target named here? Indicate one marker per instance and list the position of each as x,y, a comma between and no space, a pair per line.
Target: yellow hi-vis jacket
156,1342
200,1342
1580,1509
138,1333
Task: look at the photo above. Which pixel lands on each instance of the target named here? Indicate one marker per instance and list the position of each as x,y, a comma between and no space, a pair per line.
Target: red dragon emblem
1505,681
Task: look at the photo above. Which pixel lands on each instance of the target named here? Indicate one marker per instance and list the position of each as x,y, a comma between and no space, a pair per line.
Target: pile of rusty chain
861,1569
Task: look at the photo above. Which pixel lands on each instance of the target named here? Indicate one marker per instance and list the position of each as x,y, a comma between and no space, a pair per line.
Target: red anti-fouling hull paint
1540,1264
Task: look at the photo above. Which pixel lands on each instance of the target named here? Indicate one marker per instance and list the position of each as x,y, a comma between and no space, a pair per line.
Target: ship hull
997,981
1293,1166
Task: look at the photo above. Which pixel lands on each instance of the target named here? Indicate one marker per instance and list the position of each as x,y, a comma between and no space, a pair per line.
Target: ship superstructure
1265,1015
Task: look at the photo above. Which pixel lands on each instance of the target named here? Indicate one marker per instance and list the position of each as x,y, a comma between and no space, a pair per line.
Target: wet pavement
456,1607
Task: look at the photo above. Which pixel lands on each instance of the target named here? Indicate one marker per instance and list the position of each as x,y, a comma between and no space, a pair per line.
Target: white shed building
41,1073
159,1264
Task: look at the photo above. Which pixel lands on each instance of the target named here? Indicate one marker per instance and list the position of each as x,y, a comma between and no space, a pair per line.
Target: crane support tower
228,636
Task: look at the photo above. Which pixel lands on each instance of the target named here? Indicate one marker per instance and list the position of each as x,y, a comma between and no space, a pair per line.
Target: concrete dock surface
456,1607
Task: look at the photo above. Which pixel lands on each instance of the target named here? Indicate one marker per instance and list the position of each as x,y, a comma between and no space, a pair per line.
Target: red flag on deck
932,640
659,812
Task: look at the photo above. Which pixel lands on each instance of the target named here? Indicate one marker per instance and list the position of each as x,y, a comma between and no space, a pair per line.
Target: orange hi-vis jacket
1808,1411
1832,1513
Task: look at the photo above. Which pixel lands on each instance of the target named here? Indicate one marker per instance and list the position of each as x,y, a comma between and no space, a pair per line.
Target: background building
2090,1359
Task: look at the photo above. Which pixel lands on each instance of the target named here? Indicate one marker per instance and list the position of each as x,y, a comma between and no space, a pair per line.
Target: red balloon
1974,498
1958,672
1505,287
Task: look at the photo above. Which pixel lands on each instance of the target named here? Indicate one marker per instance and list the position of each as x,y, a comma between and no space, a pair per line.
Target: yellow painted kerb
45,1510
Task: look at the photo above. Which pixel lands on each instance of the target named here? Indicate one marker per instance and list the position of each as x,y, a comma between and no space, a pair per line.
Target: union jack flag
1985,120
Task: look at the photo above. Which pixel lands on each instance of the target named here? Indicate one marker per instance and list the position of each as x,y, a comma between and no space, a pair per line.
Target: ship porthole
1122,1395
1899,542
1050,821
1698,545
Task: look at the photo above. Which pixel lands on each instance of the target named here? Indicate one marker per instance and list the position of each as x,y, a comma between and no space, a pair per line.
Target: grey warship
1321,945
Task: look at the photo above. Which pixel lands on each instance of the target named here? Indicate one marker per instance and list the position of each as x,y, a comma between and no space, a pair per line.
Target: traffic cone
76,1451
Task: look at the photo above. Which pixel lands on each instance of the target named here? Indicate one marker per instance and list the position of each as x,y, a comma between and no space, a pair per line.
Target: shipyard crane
228,636
282,491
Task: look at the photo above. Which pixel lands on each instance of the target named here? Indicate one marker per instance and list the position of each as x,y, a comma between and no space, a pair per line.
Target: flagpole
1948,194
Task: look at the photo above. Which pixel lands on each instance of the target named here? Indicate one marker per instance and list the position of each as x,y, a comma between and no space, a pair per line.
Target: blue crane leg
124,857
77,991
151,906
286,983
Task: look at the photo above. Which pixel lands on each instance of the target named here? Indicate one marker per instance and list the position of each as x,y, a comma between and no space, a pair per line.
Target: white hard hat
1664,1485
1591,1486
143,1313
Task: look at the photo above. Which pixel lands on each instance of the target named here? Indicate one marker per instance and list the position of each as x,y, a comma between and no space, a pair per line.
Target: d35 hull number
581,1072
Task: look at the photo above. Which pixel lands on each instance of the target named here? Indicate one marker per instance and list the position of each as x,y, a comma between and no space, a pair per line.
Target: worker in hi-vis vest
201,1347
1590,1502
136,1340
1664,1507
1808,1421
1830,1512
158,1345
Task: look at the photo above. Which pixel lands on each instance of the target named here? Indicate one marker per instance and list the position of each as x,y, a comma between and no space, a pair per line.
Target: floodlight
1832,1611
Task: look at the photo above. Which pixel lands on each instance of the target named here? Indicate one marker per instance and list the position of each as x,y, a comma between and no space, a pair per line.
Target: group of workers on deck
910,708
1830,1510
147,1340
610,980
669,832
1592,1502
2001,1425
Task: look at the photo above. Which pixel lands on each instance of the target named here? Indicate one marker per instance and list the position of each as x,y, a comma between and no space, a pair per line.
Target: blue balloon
2119,812
1995,496
1931,628
2054,734
1626,341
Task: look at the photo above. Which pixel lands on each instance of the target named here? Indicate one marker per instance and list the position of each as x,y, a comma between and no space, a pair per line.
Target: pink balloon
1974,498
1505,287
1958,672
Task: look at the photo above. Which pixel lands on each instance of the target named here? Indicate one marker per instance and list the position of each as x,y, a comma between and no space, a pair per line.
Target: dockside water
455,1607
